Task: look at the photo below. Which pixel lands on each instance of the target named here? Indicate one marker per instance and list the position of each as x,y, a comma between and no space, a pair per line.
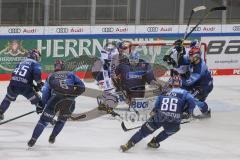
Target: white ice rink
216,138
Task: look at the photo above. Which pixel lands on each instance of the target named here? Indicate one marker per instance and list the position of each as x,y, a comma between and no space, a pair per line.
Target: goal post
153,52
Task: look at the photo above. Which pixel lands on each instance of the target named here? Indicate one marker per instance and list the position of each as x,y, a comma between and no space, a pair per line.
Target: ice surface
217,138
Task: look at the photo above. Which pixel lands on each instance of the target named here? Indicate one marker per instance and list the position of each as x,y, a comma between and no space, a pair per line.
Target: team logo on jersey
11,55
135,75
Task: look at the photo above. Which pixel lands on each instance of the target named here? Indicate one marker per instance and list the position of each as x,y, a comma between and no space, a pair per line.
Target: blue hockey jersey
25,72
200,76
171,106
135,76
70,79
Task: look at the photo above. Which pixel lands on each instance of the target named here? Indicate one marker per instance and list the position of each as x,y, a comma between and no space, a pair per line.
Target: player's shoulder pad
57,82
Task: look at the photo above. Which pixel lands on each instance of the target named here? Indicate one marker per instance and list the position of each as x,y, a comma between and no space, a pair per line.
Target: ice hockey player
133,75
178,59
166,113
104,68
193,70
200,81
104,71
22,83
59,93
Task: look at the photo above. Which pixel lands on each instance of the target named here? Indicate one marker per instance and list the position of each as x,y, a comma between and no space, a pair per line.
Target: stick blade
124,127
199,8
221,8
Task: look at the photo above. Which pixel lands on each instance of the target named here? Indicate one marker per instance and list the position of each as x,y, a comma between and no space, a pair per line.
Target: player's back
205,74
25,72
65,83
171,105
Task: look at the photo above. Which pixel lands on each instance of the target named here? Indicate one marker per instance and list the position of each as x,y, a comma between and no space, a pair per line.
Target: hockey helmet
194,43
34,54
59,65
109,47
134,58
194,54
175,81
178,45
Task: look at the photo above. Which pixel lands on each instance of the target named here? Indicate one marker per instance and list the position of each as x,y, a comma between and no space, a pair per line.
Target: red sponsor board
88,75
220,72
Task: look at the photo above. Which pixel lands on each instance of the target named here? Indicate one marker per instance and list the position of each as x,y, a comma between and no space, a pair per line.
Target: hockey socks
39,129
57,128
4,105
161,137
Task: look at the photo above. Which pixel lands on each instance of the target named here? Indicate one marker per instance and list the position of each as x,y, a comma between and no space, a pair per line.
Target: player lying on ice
59,93
167,113
21,83
194,73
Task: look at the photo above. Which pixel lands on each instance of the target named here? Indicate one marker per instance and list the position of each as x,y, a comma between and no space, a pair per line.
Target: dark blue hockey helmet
175,81
122,45
59,65
34,54
178,45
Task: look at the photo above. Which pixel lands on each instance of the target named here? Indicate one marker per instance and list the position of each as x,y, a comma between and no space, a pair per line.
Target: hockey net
153,52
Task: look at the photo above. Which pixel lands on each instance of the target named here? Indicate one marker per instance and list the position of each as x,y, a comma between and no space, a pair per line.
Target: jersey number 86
169,104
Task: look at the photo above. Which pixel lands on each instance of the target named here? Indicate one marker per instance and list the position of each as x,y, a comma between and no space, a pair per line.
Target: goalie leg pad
108,99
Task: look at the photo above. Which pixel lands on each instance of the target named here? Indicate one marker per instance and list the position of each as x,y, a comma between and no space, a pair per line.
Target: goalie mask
195,55
134,58
34,54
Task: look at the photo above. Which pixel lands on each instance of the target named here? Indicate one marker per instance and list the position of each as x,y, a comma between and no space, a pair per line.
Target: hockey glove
38,87
39,107
168,59
185,115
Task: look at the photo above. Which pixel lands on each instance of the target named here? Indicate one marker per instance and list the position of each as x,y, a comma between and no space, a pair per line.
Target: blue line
84,36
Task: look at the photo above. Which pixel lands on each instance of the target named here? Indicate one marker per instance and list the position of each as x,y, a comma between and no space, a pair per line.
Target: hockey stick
125,129
17,117
204,17
194,10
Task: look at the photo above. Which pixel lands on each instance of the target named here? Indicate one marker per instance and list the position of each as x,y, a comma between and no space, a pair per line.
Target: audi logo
196,29
107,29
14,30
62,30
152,29
236,28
